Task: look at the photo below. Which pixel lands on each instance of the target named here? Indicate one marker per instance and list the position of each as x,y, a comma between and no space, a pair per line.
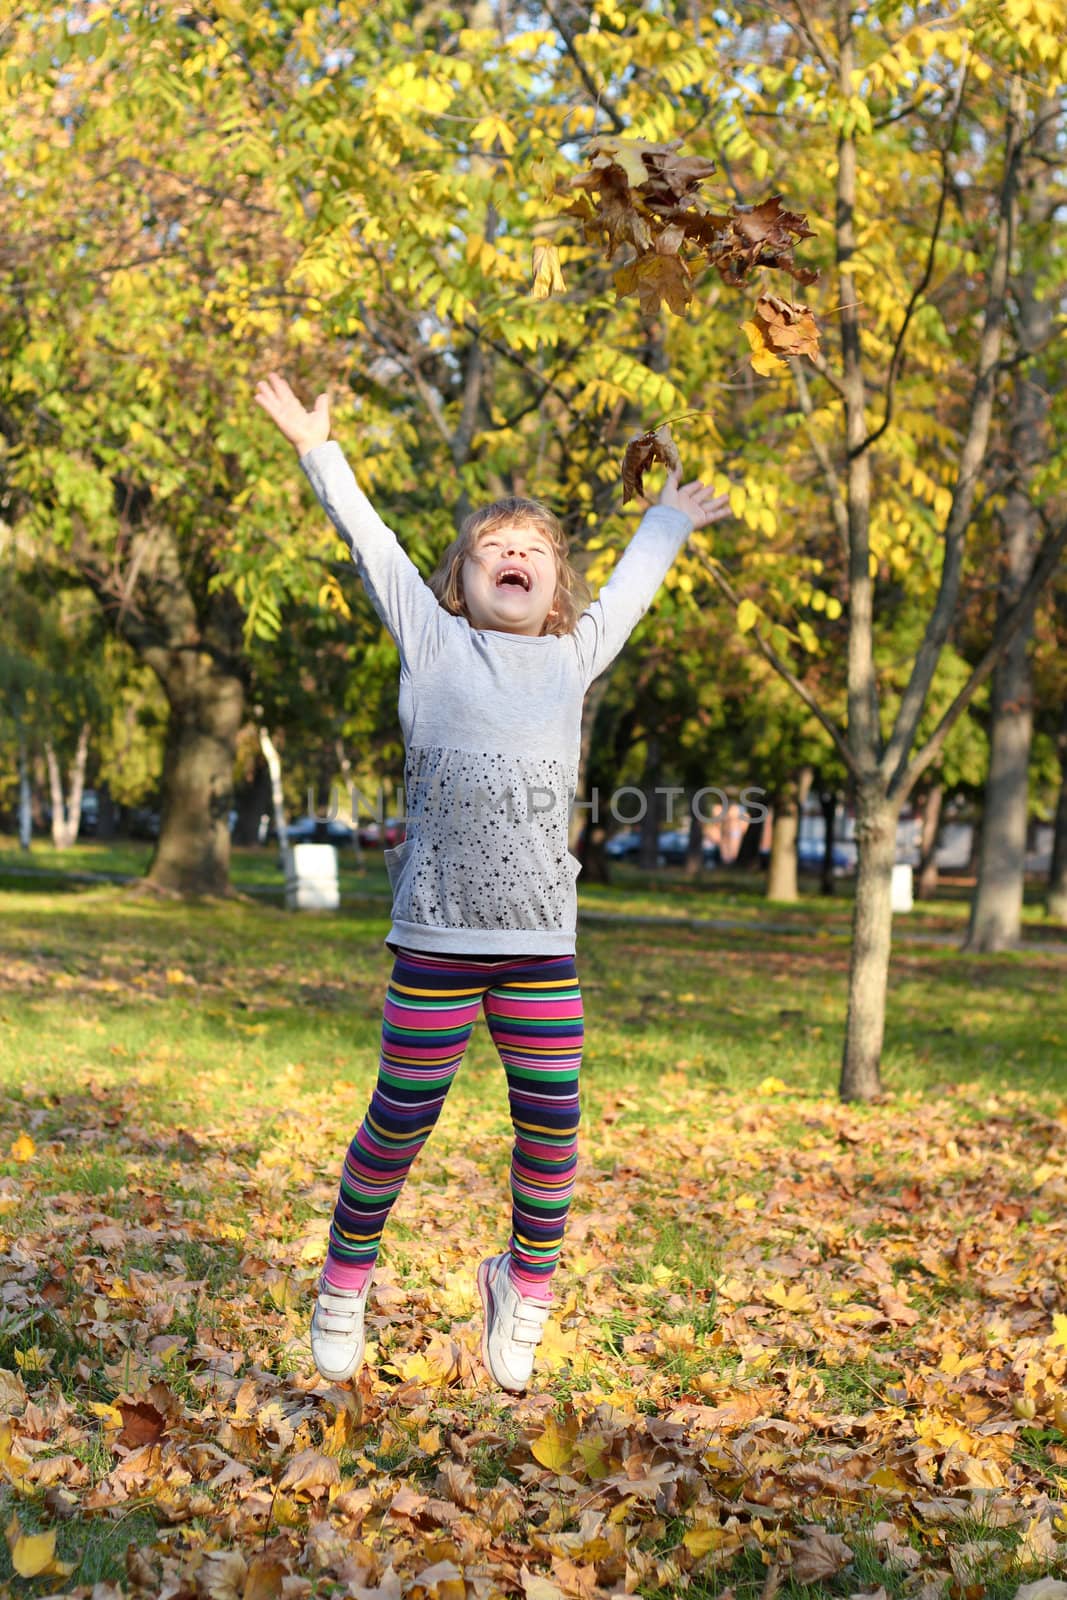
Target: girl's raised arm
605,627
399,594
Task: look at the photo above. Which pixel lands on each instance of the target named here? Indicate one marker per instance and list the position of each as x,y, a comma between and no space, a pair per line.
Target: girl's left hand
699,502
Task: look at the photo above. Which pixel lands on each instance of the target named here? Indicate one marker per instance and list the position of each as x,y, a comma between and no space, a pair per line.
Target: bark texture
67,808
927,877
868,973
996,911
191,639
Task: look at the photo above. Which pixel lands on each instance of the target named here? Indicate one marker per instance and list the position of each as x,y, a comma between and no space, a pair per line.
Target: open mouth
514,576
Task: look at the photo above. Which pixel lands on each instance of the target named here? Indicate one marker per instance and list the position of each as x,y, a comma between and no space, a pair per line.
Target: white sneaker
337,1337
513,1325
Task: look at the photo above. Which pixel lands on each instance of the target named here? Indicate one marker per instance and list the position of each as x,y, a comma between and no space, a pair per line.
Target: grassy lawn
775,1314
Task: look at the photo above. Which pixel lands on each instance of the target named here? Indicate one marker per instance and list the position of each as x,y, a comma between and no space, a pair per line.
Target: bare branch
595,94
810,34
927,273
838,503
972,454
836,733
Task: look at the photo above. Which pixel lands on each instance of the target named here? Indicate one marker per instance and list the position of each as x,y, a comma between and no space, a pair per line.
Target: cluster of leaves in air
645,197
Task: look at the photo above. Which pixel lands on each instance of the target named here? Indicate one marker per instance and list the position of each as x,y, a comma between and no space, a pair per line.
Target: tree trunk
25,795
782,872
748,851
649,855
868,973
828,806
788,806
1056,904
192,855
694,854
926,883
996,911
67,812
274,767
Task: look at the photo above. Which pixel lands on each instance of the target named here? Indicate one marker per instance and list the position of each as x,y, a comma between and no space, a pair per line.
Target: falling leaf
548,276
639,455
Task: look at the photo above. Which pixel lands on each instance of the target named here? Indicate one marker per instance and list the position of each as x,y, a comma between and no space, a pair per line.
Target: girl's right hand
303,429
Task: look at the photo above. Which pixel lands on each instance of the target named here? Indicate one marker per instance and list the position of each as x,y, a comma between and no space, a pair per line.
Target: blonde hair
572,592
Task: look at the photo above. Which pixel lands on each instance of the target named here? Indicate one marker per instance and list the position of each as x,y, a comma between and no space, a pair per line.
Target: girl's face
509,581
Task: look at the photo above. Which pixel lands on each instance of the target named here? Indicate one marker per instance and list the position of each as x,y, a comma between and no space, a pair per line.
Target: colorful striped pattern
533,1007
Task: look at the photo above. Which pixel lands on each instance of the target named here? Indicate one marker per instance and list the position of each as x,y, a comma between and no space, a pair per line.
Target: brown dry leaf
639,455
657,277
787,328
646,195
142,1423
265,1579
310,1473
221,1575
535,1587
818,1555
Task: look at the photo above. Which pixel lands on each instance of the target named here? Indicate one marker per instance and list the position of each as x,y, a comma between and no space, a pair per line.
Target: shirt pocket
396,858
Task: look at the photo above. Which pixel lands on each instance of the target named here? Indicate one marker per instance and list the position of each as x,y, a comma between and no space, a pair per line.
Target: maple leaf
641,452
142,1423
818,1555
657,277
310,1473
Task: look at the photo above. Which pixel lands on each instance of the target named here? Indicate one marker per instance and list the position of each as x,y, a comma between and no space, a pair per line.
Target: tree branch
838,504
1052,548
595,94
809,33
972,454
924,282
836,733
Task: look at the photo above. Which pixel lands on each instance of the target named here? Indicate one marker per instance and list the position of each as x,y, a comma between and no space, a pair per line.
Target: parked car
320,830
810,855
143,823
672,847
388,834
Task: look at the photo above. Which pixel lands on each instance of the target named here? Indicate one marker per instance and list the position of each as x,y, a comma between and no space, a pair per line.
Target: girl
496,654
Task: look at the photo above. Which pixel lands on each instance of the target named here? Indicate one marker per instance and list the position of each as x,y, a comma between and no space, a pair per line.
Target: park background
811,1327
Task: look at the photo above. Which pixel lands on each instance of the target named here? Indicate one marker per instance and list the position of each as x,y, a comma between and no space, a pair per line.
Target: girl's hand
303,429
696,499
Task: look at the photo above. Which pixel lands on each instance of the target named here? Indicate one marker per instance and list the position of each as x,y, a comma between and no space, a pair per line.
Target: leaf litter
786,1332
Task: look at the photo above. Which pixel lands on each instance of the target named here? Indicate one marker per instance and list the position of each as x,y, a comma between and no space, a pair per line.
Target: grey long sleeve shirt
492,728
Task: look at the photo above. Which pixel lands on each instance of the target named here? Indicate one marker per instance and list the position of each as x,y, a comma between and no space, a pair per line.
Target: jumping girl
496,654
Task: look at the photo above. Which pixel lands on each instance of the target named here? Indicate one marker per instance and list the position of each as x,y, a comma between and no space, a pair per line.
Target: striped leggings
533,1007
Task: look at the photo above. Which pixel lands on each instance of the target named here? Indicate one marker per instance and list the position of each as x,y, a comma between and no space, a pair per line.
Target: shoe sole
489,1307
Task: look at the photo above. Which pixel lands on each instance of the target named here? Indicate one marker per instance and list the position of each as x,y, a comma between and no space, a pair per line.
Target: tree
996,912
